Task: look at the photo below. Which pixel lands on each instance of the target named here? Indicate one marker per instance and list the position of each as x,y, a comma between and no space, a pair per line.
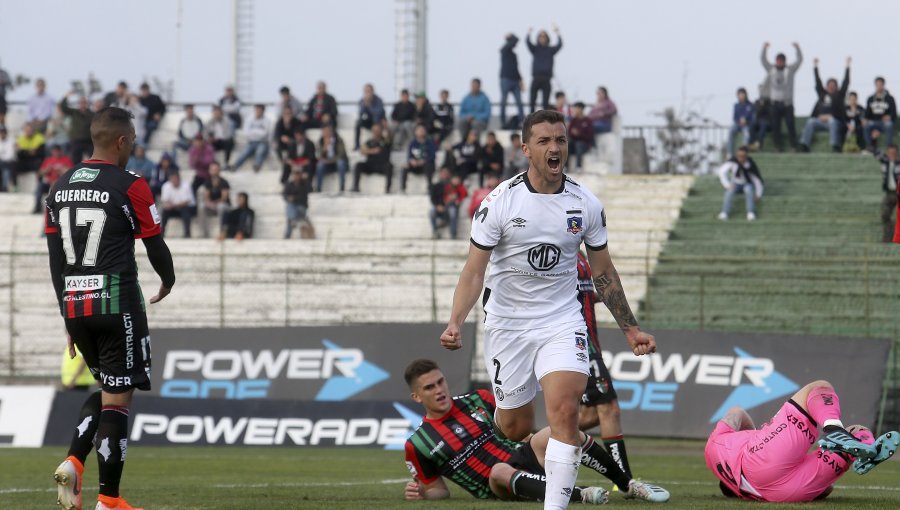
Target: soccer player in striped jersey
457,441
95,211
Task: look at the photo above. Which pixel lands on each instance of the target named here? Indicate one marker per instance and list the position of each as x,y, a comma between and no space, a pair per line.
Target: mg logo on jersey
84,175
544,257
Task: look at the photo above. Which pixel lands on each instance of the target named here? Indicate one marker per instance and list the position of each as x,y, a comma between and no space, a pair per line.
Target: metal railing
686,149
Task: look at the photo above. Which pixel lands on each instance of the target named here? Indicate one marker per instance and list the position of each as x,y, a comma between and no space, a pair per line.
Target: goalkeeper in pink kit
775,463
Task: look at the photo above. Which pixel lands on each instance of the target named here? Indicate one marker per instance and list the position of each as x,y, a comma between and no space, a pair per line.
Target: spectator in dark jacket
446,196
377,151
231,107
881,112
741,175
301,155
762,109
444,117
164,169
284,132
542,65
420,157
510,81
332,156
371,111
238,222
322,108
403,121
156,109
491,158
424,112
890,173
79,127
467,155
581,135
854,119
296,201
828,113
742,118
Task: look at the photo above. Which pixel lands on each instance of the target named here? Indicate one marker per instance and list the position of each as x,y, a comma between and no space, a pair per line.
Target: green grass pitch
335,479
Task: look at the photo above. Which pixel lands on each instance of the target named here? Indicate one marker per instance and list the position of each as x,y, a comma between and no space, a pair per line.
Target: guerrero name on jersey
535,239
98,210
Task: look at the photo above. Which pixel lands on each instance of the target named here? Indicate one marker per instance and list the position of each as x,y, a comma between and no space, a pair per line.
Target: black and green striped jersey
461,445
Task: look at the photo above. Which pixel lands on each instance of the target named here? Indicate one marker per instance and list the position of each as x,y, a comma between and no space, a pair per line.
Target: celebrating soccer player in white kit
530,228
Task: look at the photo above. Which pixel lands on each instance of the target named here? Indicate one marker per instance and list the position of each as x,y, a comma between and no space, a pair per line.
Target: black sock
616,447
530,486
88,420
112,442
598,459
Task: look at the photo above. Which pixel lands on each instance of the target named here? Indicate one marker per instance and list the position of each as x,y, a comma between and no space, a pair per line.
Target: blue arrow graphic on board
749,396
414,419
340,387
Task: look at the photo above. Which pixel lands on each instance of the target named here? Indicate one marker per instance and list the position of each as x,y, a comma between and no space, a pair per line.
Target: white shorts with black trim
517,359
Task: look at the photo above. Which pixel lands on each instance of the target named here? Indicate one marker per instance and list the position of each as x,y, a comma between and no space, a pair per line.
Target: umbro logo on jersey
84,175
519,222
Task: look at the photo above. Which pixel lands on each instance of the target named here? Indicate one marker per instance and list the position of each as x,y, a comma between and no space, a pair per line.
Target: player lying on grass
775,463
457,440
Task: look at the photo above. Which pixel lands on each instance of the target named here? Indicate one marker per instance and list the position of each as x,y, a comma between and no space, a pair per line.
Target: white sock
833,422
561,465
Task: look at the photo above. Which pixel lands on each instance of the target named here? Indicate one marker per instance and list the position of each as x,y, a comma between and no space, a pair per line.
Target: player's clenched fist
451,338
641,343
412,491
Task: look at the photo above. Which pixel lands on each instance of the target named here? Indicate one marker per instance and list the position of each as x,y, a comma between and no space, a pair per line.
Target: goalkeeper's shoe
594,495
68,484
839,440
886,445
646,491
108,503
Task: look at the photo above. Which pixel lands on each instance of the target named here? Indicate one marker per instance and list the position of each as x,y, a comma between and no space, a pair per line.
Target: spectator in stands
54,165
510,82
446,196
284,132
238,222
602,112
490,184
474,111
517,161
854,117
742,118
214,198
780,84
296,202
762,115
164,169
890,173
258,133
289,101
322,108
188,128
200,156
220,132
741,175
156,109
424,112
79,126
117,97
301,156
377,151
542,55
828,113
139,114
7,160
403,121
58,130
420,157
491,158
881,112
139,164
444,117
177,202
581,134
40,106
30,150
5,83
371,112
332,156
467,155
561,104
231,107
98,105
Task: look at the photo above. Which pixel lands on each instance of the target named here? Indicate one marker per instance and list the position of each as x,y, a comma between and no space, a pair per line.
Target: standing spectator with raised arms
542,55
780,84
828,113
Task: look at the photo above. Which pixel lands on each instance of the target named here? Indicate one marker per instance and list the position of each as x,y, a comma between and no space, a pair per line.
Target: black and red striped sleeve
51,222
144,209
488,397
418,469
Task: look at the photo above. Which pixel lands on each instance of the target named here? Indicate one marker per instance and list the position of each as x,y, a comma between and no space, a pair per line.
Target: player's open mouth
553,163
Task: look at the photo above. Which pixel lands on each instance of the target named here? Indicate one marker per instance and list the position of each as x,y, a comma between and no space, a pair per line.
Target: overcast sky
649,53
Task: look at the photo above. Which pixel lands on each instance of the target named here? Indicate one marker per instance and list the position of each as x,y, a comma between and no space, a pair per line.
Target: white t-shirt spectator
179,195
7,149
259,130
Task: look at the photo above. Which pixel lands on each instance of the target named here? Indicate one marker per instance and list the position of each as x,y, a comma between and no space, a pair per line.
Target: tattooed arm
609,288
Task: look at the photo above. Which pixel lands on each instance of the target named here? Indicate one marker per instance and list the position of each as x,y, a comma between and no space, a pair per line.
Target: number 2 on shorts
497,373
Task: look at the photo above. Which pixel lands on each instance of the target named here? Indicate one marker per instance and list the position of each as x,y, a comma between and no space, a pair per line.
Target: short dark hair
892,146
515,135
418,367
404,92
123,84
145,86
879,79
780,56
579,104
245,196
551,116
743,148
477,80
445,91
852,94
109,124
188,105
559,94
742,89
284,90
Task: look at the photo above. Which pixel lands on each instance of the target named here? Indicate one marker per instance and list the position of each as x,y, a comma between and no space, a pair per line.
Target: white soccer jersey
535,237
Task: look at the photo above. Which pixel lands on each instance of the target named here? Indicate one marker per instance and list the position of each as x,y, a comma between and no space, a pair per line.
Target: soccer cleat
647,492
839,440
108,503
594,495
722,216
886,446
68,484
751,216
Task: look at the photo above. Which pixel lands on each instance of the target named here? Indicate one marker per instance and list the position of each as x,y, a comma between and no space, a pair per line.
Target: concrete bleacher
373,259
